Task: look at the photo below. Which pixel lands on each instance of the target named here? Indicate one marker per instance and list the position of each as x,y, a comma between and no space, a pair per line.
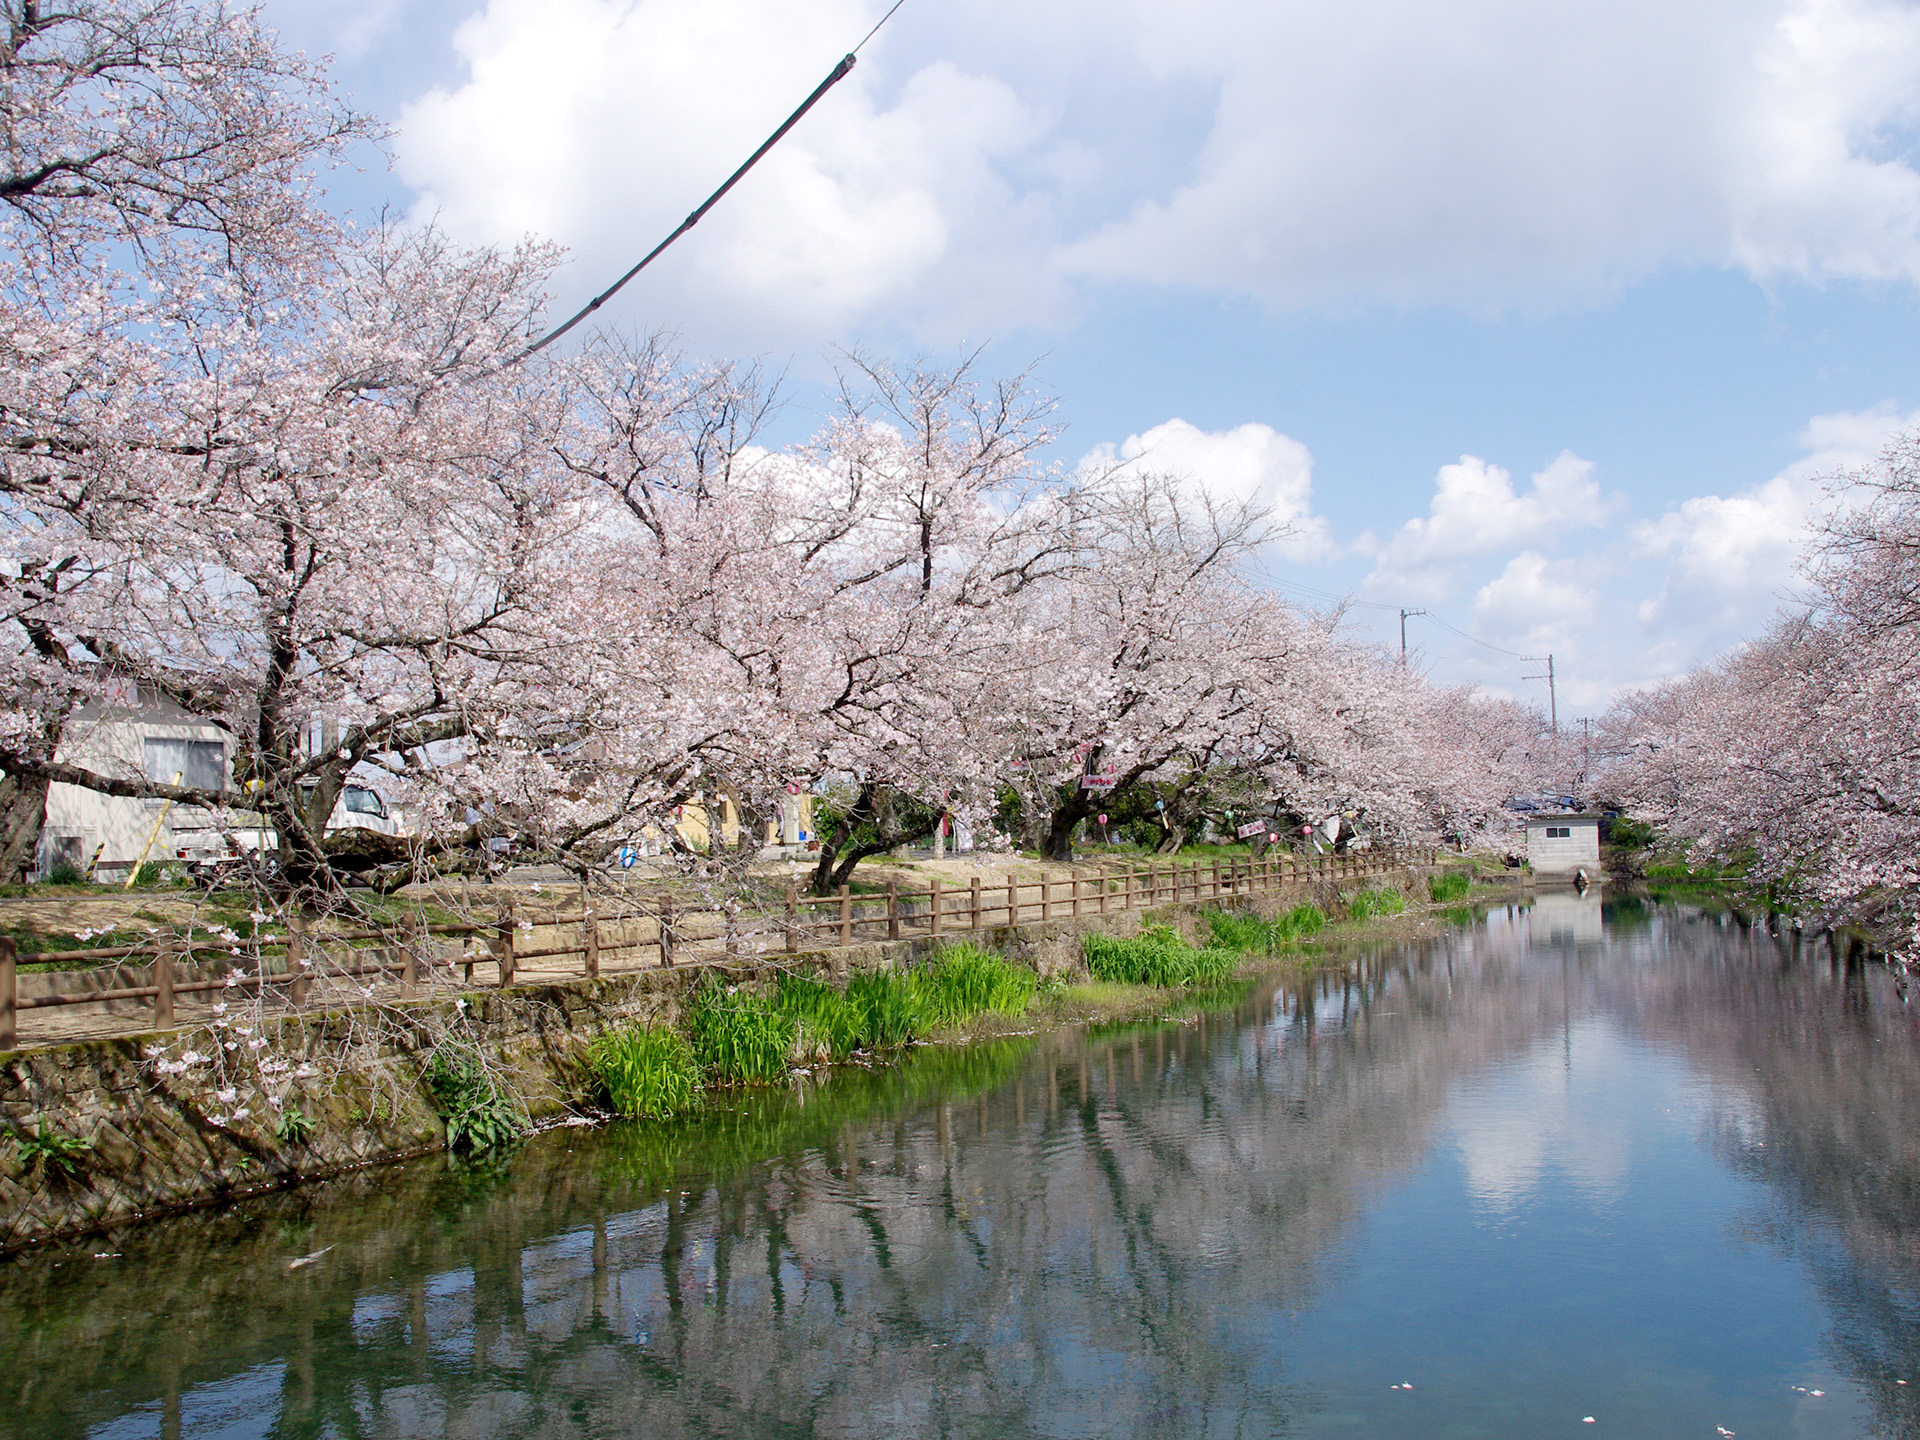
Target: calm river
1643,1165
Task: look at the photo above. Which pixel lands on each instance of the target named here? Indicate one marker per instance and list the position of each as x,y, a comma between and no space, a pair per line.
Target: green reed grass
1366,904
964,981
829,1024
739,1036
890,1006
1249,934
649,1070
1451,886
1157,957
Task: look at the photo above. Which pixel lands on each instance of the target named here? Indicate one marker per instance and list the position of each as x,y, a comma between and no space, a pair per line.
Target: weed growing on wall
479,1113
649,1070
45,1152
1448,887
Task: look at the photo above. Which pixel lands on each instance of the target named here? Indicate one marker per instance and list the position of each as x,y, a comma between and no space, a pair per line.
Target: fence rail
671,932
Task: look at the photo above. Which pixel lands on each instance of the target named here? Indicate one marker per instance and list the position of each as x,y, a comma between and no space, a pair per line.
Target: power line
834,77
1478,641
1320,594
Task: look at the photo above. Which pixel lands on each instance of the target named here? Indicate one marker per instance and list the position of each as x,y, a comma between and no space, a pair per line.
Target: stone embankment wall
164,1138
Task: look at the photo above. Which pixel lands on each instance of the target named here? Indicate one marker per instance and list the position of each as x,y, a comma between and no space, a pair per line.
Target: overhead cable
834,77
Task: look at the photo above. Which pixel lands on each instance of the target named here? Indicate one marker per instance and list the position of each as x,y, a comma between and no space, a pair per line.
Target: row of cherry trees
1796,758
273,468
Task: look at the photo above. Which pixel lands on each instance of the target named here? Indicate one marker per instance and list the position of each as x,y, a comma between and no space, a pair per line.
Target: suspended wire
876,29
1320,594
834,77
1478,641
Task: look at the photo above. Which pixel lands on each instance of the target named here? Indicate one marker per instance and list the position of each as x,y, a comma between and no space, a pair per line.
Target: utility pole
1403,632
1553,701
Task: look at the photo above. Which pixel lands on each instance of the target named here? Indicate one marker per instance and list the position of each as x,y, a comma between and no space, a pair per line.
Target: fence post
1046,897
9,1003
893,909
299,976
666,930
1216,879
163,983
1126,895
503,944
1013,898
939,901
846,916
590,941
793,920
1074,881
1102,883
975,887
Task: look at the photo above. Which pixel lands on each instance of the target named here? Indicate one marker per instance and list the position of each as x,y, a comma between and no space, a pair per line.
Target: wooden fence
311,963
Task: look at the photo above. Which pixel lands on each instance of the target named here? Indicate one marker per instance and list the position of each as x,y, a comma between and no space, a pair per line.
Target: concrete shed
1562,844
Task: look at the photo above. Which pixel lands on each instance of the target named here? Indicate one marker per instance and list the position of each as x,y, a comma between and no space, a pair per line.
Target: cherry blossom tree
353,514
1796,759
158,165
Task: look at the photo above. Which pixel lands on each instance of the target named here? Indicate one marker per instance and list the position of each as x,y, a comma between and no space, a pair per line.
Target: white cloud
1489,154
1496,153
602,124
1252,463
1475,511
1536,603
1733,559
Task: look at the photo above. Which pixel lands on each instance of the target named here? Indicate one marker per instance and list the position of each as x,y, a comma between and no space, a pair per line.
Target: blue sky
1545,319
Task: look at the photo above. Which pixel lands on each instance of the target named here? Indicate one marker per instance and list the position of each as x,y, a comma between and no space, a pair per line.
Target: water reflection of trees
1079,1236
1824,1051
1059,1237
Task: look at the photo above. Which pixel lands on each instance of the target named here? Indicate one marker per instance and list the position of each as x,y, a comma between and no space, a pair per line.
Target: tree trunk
1064,821
23,807
877,805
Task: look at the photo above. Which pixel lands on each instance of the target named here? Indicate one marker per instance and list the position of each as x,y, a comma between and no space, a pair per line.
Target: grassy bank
745,1036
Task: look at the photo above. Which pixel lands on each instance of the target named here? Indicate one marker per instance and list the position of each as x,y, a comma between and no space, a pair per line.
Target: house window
1559,832
201,764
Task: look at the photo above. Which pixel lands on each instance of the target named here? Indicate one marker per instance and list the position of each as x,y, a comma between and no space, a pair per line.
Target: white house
141,739
1562,844
151,738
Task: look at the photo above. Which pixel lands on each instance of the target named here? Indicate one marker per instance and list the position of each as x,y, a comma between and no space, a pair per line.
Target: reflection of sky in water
230,1409
1536,1174
1558,1110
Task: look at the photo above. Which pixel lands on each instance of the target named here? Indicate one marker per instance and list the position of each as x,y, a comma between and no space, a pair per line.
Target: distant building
137,738
138,735
1562,844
